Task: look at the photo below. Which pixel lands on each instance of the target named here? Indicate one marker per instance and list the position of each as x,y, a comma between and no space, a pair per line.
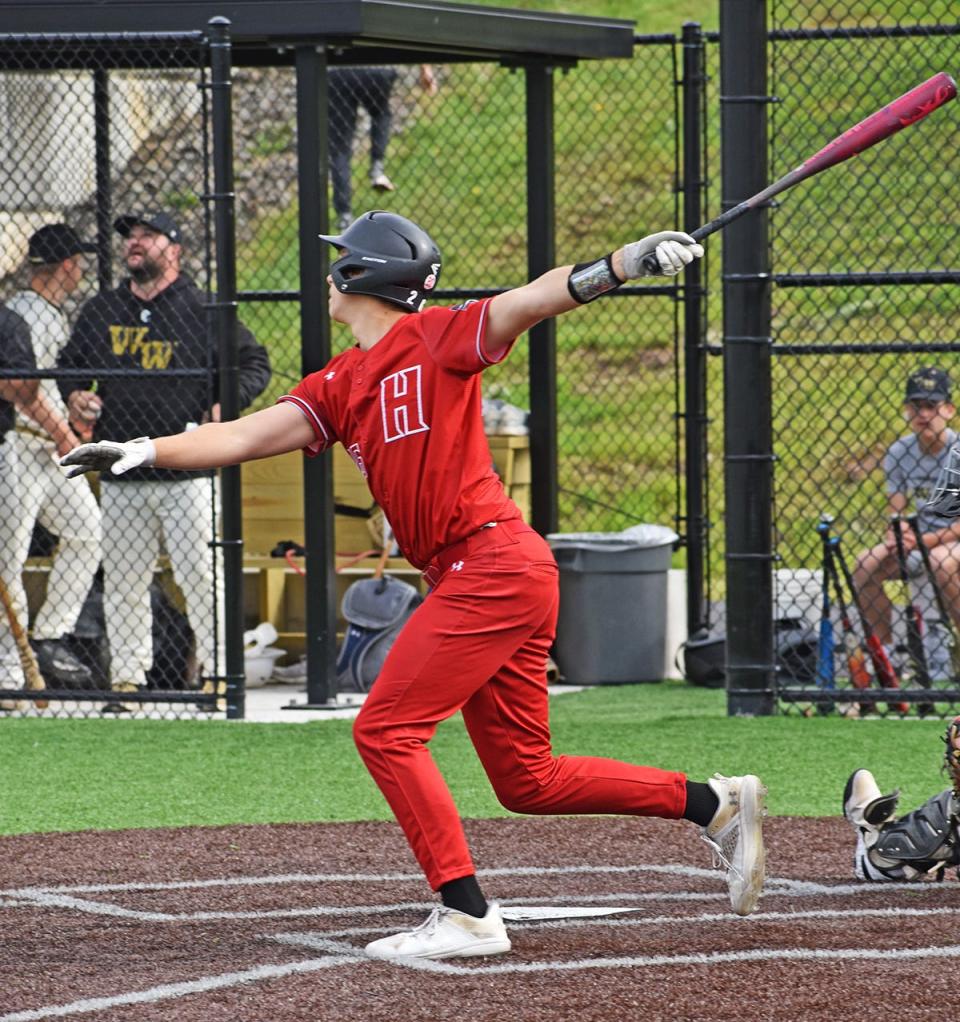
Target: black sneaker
59,667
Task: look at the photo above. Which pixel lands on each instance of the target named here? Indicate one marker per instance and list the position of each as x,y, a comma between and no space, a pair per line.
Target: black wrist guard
588,281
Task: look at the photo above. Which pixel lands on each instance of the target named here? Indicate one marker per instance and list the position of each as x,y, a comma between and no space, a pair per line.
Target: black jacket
117,330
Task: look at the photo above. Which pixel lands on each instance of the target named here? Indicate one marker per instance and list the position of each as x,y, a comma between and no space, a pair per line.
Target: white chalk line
42,899
323,878
656,961
344,954
169,991
314,939
61,897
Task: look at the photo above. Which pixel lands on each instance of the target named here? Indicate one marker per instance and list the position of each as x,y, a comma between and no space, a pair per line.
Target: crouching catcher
920,843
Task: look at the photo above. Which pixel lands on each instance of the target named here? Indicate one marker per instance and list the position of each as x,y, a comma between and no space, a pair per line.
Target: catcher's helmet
387,256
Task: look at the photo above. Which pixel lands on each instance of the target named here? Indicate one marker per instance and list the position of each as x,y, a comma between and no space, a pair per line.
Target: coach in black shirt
155,320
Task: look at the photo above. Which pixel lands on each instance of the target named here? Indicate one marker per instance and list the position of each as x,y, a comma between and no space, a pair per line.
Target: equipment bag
375,610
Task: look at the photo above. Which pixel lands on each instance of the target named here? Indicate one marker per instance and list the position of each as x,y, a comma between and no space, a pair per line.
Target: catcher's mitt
952,755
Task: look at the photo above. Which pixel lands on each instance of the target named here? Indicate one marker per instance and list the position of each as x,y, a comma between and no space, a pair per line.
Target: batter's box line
624,916
337,948
679,869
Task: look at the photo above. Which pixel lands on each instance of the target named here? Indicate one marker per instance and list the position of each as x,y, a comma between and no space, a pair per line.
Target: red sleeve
311,398
455,337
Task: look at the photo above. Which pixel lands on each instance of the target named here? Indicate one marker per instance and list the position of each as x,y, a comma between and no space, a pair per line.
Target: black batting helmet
387,256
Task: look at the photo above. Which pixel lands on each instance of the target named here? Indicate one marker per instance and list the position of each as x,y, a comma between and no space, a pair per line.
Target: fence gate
864,276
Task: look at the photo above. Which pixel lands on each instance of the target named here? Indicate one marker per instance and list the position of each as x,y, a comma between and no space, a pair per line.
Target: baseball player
56,256
922,842
405,401
155,320
26,396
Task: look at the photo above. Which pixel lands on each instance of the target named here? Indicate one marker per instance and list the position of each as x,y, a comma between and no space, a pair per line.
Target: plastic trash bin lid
636,536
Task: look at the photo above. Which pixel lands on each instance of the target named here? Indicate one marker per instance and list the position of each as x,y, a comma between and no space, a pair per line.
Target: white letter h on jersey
401,404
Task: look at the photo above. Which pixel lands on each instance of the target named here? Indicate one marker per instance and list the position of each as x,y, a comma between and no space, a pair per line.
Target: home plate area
610,919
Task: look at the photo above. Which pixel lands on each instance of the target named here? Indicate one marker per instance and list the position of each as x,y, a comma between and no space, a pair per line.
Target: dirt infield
267,924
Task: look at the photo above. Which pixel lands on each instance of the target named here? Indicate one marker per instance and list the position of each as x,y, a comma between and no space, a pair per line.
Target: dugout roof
355,31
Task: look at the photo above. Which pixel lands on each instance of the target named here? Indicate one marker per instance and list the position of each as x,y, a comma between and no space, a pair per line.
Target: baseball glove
952,755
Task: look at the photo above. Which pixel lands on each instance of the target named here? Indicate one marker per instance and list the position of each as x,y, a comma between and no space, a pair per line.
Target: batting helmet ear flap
387,256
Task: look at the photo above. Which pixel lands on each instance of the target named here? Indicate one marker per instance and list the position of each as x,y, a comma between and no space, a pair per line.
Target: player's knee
365,736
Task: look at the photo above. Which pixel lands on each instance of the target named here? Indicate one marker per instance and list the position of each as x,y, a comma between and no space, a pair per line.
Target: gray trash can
613,604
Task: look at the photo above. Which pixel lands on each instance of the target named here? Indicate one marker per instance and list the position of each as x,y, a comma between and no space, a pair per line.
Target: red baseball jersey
409,413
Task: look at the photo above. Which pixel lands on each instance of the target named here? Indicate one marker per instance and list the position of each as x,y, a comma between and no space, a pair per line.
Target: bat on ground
825,646
31,671
943,615
911,107
882,668
914,623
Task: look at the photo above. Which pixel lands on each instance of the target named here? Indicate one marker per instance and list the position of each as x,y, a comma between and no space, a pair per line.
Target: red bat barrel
911,107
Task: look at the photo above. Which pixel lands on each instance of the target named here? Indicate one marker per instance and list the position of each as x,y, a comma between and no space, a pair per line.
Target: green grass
65,775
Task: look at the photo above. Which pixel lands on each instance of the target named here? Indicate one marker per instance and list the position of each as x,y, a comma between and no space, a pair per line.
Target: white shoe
736,836
867,810
447,934
379,179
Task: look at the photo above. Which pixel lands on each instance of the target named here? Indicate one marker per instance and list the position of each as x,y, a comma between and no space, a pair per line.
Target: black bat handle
652,264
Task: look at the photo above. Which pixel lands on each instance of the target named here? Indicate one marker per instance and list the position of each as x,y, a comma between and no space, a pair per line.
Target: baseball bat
31,671
909,108
825,646
856,662
882,667
943,615
914,623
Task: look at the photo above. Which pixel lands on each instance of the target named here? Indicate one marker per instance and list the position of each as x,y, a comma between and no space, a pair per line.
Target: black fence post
541,249
694,355
321,600
748,469
226,332
104,194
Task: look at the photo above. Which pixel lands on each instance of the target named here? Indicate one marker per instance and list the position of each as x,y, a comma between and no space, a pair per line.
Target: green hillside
459,164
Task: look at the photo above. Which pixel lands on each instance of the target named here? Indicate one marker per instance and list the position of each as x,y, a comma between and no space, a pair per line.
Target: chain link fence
115,579
865,369
106,280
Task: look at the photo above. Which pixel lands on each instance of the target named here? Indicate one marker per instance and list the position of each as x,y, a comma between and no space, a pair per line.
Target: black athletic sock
464,895
702,803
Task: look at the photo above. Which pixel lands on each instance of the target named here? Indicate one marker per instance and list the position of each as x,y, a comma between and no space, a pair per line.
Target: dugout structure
241,61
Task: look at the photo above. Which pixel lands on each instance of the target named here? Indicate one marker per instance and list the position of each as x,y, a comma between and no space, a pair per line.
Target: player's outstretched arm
263,434
566,287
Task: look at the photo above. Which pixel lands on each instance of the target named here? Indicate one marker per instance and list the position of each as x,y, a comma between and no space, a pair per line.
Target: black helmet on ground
387,256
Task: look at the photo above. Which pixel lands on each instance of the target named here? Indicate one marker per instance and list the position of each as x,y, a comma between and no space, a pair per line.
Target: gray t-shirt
913,472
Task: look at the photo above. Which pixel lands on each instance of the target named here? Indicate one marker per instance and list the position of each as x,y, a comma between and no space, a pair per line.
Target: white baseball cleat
735,834
447,933
867,809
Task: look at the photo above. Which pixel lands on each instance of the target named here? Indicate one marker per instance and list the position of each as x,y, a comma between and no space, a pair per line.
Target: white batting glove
673,250
107,454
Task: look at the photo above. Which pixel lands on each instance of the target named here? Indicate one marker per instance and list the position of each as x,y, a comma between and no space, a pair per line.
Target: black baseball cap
54,243
928,384
160,222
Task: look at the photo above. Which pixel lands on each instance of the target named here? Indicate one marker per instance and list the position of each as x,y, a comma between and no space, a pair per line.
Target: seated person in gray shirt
911,466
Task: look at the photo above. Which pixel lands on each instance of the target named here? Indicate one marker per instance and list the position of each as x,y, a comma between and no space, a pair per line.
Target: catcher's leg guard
924,841
951,758
867,810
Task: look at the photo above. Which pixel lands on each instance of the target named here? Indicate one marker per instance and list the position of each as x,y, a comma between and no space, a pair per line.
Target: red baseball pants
479,644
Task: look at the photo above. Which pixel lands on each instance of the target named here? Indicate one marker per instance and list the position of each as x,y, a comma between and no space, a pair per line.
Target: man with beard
155,328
